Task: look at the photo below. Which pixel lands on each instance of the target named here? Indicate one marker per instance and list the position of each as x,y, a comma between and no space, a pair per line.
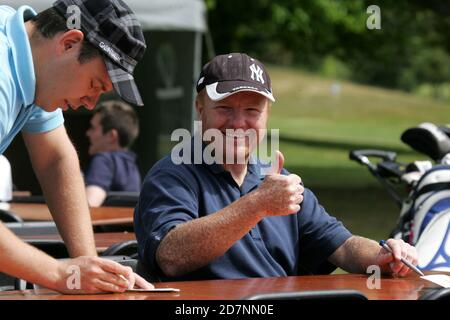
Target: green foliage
331,37
210,4
432,65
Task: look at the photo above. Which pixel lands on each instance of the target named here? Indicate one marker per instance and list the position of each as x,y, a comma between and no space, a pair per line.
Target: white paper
440,279
154,290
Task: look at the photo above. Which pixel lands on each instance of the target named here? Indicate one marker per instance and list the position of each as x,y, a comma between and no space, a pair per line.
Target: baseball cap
234,72
112,27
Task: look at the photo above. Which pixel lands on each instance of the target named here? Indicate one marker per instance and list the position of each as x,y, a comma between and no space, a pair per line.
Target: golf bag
424,219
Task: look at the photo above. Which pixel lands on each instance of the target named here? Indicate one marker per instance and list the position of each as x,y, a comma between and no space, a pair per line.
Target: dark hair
49,22
115,114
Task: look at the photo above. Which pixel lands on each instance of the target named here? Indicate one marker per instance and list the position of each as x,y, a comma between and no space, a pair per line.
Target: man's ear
70,40
113,135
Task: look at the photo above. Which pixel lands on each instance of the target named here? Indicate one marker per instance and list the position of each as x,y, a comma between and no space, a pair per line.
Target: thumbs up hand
279,194
277,166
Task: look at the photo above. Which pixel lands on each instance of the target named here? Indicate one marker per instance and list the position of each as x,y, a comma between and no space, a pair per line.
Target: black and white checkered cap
112,27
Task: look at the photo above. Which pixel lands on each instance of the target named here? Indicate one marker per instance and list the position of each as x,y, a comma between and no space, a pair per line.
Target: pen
414,268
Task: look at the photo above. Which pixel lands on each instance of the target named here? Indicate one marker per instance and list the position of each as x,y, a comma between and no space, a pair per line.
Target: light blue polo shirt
17,80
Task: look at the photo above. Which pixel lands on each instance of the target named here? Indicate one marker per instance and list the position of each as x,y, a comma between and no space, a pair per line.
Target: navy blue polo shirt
114,171
277,246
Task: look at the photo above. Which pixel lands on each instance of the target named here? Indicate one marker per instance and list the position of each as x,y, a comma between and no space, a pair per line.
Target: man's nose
238,120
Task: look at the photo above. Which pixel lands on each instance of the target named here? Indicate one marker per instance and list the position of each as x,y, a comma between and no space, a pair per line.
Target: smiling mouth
235,135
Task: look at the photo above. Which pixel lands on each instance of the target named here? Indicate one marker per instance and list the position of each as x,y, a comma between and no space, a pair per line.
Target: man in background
114,127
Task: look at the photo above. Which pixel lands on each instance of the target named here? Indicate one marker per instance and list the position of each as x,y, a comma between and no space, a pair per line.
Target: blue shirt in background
277,246
114,171
17,80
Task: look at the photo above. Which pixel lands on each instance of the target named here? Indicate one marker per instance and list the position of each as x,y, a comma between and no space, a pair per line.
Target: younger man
114,127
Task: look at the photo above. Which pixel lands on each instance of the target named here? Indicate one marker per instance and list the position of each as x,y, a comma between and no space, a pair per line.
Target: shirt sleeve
3,113
320,235
100,172
42,121
167,199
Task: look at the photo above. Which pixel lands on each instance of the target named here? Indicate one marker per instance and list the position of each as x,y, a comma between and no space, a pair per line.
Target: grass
318,129
360,114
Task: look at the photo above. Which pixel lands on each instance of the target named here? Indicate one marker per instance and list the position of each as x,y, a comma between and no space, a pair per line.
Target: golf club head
429,139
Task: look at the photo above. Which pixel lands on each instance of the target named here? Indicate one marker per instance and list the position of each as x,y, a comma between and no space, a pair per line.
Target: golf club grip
357,155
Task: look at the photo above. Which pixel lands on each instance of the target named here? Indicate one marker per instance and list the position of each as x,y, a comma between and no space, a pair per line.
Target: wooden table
103,240
99,216
408,288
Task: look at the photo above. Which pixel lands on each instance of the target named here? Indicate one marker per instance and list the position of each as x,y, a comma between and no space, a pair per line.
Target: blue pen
414,268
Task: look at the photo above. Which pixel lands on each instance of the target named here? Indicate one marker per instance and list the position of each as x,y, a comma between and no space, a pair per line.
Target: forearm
356,254
196,243
83,275
26,262
64,192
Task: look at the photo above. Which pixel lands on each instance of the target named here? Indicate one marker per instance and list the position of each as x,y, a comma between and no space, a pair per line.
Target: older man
226,219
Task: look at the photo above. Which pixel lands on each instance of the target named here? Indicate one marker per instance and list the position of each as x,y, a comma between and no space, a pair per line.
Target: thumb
277,165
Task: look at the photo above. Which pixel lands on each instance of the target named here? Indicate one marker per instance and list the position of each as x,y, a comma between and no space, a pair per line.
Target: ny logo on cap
257,72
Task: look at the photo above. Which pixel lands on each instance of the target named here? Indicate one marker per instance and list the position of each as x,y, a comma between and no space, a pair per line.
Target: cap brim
124,84
221,90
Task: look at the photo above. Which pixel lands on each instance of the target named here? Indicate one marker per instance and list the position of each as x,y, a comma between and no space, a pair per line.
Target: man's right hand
280,195
90,275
